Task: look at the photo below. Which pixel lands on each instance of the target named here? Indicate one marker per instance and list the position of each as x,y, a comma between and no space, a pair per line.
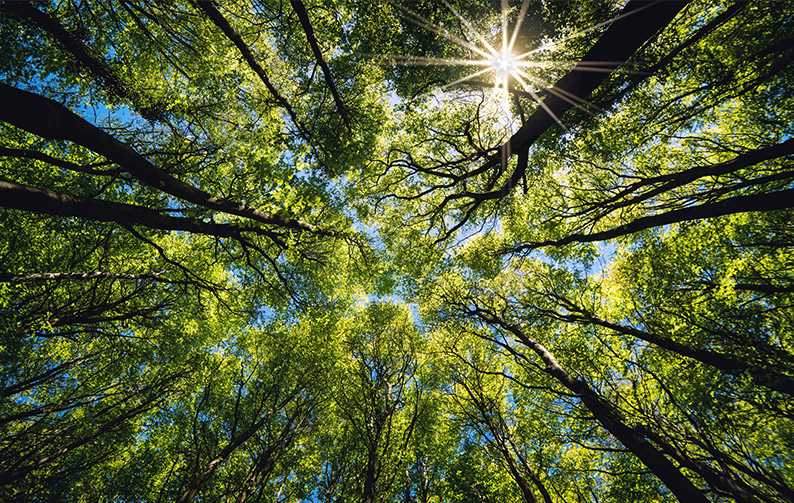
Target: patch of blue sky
607,252
472,231
265,315
393,98
372,234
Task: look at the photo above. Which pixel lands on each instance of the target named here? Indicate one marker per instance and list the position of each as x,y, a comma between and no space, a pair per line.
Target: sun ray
539,101
464,78
571,98
438,30
427,61
585,31
564,95
510,72
521,13
471,29
505,8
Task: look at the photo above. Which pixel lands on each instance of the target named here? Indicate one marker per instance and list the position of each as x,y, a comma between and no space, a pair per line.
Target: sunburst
497,63
504,66
509,71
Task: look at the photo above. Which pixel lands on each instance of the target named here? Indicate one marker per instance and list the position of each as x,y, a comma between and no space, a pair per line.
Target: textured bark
672,181
54,161
303,16
51,120
609,418
79,276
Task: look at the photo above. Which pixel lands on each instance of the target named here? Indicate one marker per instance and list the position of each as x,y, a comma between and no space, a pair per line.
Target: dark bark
672,181
608,417
544,493
211,11
778,200
148,398
523,485
266,460
725,363
20,197
240,437
303,16
370,476
80,52
729,13
32,382
722,481
200,477
488,415
51,120
80,276
61,163
639,21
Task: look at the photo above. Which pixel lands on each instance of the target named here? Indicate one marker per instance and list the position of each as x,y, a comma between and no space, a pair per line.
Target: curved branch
303,16
51,120
778,200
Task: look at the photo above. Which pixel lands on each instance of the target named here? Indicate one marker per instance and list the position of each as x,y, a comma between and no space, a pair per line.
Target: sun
496,61
513,73
504,65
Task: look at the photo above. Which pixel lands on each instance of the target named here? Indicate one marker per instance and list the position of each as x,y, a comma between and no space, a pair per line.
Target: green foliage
218,284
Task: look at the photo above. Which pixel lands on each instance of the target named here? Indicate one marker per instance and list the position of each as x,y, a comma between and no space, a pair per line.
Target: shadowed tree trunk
74,46
607,416
51,120
13,195
771,201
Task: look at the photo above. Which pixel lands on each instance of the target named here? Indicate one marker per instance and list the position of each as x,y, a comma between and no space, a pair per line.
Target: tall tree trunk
79,51
770,201
210,10
653,458
370,477
303,17
638,22
671,181
20,197
765,377
526,492
51,120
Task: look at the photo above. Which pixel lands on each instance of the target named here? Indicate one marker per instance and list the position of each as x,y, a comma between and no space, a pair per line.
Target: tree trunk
778,200
51,120
370,477
638,22
20,197
609,418
729,365
79,51
211,11
303,17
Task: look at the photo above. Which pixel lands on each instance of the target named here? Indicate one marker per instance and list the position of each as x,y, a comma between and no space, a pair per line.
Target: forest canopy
397,251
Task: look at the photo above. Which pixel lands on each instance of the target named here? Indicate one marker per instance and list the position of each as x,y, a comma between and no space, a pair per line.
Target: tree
396,251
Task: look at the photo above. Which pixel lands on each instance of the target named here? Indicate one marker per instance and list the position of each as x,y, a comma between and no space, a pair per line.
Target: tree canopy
396,251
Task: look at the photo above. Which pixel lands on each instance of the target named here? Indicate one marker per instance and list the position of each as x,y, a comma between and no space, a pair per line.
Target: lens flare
504,65
509,73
